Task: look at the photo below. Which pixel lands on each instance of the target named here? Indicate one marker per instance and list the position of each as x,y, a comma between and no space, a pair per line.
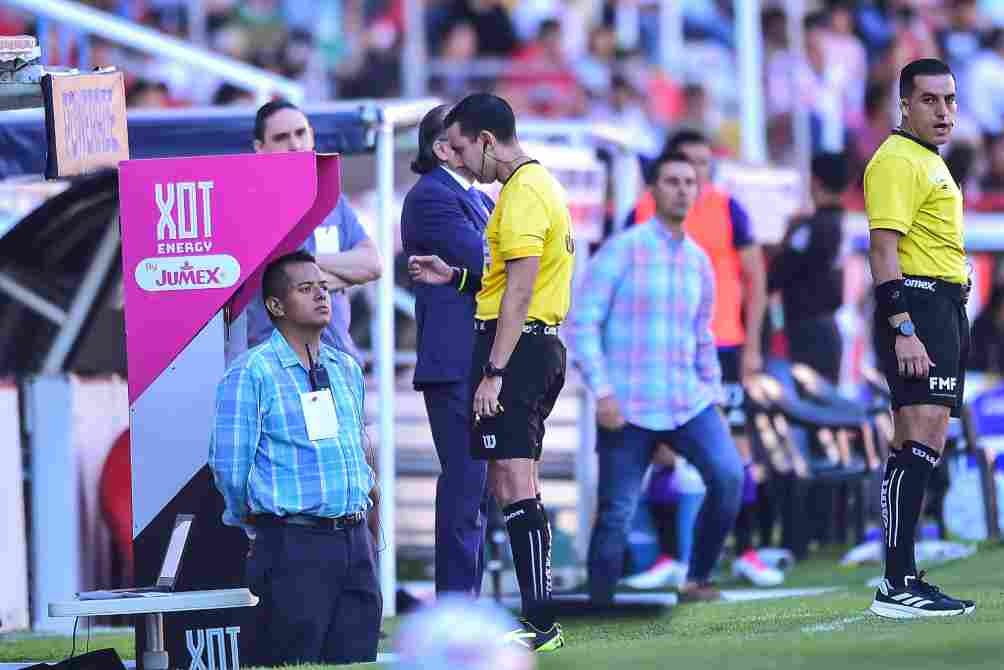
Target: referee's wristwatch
905,328
490,370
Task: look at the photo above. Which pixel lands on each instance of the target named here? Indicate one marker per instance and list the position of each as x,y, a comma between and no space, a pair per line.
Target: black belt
529,328
325,523
952,291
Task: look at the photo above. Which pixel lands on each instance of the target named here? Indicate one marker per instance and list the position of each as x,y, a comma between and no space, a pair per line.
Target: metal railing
122,31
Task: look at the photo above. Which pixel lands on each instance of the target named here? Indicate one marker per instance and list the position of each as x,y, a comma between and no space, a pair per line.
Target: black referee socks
906,475
530,539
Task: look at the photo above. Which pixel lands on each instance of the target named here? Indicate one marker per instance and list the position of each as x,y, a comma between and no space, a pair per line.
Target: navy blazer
439,218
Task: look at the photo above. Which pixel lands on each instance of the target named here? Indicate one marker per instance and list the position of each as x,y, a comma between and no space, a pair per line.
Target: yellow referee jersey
531,218
909,189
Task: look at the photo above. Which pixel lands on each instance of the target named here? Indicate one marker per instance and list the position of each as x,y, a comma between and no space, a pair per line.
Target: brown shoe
699,592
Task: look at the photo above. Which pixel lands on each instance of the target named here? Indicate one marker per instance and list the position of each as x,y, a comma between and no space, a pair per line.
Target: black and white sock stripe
895,482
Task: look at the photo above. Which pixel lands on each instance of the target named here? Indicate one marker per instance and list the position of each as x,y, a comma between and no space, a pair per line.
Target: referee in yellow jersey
918,263
519,361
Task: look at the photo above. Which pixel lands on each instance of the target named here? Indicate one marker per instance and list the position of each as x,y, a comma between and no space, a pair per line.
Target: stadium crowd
583,59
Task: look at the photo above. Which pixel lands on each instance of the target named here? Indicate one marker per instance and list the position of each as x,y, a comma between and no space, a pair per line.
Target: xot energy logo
185,226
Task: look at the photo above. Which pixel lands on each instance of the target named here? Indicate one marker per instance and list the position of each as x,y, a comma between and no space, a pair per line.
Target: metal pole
384,350
55,537
801,129
626,186
197,33
750,55
32,300
83,301
414,63
671,36
627,25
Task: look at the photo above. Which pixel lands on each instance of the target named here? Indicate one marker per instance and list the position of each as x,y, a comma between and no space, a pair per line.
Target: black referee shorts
939,316
534,376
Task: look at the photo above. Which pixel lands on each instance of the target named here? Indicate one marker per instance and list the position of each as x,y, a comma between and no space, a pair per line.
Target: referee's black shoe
919,599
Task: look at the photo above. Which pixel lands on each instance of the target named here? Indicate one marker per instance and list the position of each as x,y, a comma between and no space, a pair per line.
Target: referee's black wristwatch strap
890,298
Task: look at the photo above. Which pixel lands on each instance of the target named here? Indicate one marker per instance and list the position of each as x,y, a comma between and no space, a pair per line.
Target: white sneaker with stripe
918,599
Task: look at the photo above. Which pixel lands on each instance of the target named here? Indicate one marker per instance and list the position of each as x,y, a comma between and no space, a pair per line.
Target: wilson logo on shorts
489,441
927,457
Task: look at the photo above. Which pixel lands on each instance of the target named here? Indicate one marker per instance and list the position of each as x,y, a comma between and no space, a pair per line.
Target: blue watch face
905,329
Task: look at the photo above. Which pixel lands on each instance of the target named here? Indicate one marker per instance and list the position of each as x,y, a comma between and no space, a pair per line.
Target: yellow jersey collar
926,145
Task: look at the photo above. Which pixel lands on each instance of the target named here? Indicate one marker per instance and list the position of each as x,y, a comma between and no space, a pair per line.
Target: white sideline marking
833,626
740,595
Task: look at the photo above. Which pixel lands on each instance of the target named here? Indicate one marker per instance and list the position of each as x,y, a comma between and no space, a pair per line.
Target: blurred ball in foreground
459,634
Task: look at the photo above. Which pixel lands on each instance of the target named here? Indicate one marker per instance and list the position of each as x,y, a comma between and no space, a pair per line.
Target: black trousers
320,596
816,342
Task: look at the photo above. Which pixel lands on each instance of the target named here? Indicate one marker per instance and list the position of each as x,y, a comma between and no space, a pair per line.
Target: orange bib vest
709,224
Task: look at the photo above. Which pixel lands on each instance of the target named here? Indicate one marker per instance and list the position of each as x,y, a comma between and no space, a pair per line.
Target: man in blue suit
444,215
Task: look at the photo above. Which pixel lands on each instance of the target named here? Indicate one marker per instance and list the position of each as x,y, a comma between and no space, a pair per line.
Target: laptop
168,569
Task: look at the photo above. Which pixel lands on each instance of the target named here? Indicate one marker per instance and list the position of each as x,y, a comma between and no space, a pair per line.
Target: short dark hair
548,26
685,136
265,113
275,282
922,67
483,111
227,94
429,129
816,20
832,171
664,159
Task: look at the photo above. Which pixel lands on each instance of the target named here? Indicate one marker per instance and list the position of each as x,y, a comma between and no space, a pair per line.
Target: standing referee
918,264
519,363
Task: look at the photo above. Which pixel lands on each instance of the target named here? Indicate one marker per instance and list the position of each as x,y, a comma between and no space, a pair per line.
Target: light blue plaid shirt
640,327
259,452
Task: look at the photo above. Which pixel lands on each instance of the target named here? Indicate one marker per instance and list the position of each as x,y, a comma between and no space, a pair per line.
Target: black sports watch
905,328
491,371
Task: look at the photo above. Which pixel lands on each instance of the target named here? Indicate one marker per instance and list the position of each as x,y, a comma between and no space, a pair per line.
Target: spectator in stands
490,18
626,110
228,94
458,48
960,42
987,352
144,94
595,69
986,85
992,183
843,46
347,256
641,336
541,81
808,275
699,111
300,483
961,161
878,119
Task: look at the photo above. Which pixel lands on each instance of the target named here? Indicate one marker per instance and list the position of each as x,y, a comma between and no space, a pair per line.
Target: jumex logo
188,273
185,209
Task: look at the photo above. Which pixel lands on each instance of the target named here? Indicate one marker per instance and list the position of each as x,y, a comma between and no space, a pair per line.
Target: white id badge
319,413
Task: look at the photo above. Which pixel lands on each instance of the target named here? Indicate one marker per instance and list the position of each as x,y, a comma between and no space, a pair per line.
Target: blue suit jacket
439,218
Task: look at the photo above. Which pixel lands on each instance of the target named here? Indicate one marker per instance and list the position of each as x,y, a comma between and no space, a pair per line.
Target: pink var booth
196,236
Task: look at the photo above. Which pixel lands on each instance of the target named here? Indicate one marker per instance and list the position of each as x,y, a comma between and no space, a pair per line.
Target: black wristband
455,279
890,298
